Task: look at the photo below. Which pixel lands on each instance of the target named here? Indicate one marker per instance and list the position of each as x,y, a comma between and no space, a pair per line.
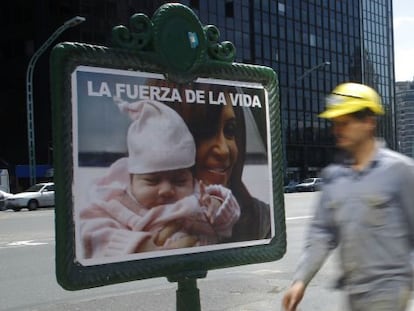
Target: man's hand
293,296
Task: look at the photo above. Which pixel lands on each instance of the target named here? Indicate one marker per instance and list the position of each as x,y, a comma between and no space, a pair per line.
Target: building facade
405,117
312,46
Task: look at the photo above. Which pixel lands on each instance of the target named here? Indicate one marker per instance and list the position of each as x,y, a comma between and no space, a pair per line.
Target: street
27,276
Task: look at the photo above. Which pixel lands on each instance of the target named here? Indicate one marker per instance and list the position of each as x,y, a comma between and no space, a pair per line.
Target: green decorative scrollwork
138,38
224,51
179,39
175,37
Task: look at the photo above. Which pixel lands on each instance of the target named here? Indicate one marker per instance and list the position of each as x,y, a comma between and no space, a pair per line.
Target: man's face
351,132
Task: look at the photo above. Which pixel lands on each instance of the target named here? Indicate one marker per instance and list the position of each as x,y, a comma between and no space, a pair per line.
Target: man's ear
371,123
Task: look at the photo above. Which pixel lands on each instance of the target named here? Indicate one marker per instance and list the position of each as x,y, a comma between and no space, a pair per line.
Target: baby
150,199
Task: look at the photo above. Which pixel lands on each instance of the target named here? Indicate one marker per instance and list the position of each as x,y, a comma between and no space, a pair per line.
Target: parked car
3,197
38,195
309,184
290,187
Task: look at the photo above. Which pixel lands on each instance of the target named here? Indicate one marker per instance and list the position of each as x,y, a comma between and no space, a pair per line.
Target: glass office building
405,115
312,45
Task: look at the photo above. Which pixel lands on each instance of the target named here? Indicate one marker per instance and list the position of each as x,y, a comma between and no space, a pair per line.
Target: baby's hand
204,196
212,203
212,207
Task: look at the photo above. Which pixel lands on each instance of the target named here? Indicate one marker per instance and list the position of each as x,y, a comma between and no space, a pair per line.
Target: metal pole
187,294
29,92
301,77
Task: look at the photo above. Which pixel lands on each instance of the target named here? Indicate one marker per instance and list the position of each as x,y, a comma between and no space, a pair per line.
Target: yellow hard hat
348,98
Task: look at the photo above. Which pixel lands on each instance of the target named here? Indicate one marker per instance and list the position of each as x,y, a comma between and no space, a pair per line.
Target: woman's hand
187,241
170,229
157,241
166,232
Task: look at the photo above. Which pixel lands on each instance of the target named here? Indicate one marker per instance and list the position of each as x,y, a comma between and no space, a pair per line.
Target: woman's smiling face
217,154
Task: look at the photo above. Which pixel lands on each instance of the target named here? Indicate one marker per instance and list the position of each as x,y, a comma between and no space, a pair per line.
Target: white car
38,195
3,197
309,184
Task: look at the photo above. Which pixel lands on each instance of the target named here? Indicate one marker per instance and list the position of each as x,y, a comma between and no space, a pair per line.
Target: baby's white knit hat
157,139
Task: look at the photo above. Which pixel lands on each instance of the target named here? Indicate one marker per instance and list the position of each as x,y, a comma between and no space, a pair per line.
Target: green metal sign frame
175,44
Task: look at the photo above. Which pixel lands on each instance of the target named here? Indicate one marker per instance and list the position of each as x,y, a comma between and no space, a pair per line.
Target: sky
404,39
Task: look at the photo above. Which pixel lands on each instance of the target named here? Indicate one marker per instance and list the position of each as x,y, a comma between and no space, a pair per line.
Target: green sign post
165,105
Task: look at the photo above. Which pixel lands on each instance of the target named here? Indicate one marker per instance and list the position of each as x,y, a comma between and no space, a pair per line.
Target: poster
228,157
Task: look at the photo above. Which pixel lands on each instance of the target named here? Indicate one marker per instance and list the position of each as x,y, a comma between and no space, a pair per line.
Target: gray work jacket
370,215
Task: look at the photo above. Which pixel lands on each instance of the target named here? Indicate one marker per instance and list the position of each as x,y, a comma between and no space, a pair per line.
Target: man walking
366,208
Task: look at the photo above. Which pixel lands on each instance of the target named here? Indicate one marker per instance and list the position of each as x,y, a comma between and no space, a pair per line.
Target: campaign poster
162,168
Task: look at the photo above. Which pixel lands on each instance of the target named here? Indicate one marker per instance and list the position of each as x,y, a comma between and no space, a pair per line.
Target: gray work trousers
393,297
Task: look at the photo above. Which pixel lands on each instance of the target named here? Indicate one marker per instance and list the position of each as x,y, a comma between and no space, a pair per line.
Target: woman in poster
220,136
